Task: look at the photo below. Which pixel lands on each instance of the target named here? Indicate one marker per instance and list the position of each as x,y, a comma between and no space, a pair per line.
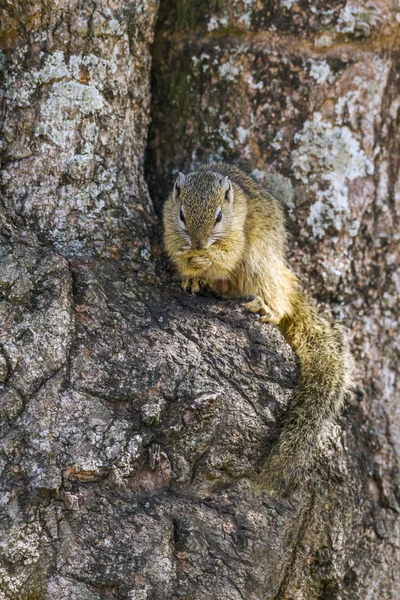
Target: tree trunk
133,415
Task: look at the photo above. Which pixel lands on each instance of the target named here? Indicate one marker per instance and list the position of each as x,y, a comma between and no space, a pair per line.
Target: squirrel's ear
179,183
225,183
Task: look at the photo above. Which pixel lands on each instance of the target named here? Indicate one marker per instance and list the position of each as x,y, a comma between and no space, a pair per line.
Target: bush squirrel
224,231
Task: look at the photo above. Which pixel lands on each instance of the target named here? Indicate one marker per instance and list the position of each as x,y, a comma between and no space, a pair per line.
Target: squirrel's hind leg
219,288
257,305
194,285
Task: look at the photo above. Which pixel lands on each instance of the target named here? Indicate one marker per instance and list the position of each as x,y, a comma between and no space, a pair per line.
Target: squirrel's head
203,204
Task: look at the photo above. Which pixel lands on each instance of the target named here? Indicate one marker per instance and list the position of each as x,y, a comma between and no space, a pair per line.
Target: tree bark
133,415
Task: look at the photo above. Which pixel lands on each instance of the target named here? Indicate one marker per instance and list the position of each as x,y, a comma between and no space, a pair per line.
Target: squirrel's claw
191,285
257,305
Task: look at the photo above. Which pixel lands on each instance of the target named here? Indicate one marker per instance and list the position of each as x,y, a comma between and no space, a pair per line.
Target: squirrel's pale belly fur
243,255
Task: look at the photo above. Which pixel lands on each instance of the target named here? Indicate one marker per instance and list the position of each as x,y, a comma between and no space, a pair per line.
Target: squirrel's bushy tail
319,395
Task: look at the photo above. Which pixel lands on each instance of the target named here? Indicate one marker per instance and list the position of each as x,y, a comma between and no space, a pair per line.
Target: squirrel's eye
219,217
182,216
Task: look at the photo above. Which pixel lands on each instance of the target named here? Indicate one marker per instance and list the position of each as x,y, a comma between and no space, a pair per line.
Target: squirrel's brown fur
224,231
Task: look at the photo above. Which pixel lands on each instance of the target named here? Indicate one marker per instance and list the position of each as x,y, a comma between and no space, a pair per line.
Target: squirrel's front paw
199,262
192,260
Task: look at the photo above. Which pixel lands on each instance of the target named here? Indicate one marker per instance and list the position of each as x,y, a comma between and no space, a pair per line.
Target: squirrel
224,232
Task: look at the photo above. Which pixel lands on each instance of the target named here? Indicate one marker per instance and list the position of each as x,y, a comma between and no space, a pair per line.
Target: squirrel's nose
198,244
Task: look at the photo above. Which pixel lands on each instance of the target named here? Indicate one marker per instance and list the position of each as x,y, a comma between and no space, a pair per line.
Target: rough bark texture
75,116
133,415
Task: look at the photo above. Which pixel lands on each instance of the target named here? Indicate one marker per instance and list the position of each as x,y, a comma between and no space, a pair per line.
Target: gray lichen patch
3,368
26,570
64,99
10,403
334,155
